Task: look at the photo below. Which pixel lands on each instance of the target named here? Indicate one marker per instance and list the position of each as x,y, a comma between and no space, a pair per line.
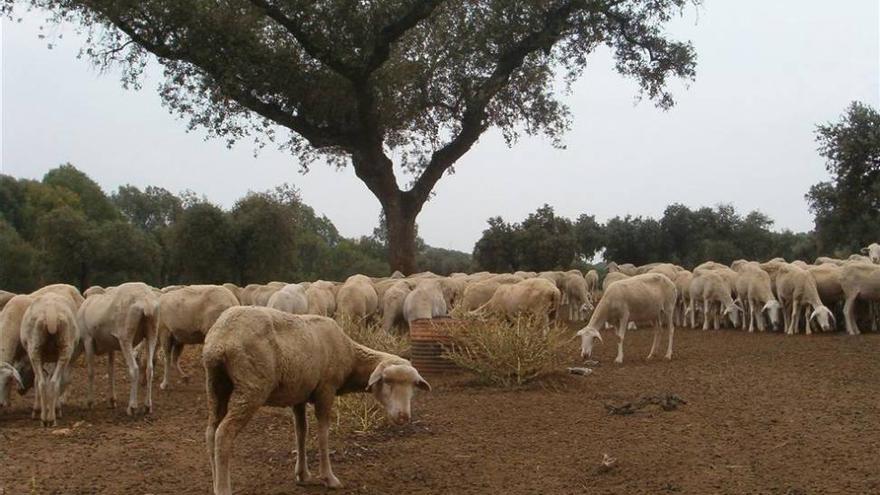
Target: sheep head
825,317
8,373
734,311
773,310
588,336
393,384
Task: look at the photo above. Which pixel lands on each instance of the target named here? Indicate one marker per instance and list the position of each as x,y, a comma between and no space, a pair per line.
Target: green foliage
847,208
18,261
203,245
65,240
93,202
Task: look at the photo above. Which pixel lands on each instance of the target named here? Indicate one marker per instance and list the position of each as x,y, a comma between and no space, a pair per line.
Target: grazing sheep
93,291
392,305
247,293
14,363
822,260
873,252
397,275
119,320
682,283
643,298
236,290
185,316
859,281
478,293
291,299
453,290
65,290
755,292
640,270
612,277
796,290
5,297
576,296
321,299
592,279
263,293
257,356
712,289
859,258
626,268
49,334
525,275
424,302
357,299
827,277
667,269
534,296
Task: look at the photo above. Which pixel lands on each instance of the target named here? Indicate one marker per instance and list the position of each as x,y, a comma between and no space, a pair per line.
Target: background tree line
846,209
66,229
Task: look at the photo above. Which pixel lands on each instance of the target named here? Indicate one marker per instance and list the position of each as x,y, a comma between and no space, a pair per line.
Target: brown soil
765,414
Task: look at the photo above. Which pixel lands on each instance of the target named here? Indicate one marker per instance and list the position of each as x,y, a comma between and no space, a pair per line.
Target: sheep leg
807,310
752,317
716,317
795,318
621,334
705,314
323,408
303,476
849,314
165,341
176,352
150,340
131,362
241,409
671,334
39,390
53,387
785,318
88,346
111,358
657,328
217,398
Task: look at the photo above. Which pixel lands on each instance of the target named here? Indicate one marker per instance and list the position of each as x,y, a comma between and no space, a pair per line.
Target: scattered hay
372,335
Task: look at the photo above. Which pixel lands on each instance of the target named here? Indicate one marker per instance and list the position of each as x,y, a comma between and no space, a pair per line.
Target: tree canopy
847,208
360,82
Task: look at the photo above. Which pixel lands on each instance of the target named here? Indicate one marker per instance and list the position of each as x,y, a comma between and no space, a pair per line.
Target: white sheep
796,290
185,316
860,281
757,297
575,296
119,320
257,356
14,363
49,334
290,299
392,305
648,298
5,297
713,291
426,301
873,252
357,299
321,299
536,297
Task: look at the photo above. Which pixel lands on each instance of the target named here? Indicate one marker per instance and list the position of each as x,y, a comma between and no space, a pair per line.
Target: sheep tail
51,320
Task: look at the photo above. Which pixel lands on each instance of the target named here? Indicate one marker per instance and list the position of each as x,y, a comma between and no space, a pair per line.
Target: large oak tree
397,89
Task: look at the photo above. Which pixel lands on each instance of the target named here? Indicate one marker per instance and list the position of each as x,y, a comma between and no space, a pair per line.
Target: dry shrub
359,413
510,353
372,336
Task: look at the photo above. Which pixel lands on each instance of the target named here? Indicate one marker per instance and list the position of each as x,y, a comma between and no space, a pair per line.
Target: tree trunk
400,218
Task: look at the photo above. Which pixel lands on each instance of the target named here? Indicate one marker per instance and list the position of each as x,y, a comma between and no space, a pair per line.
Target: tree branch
318,136
312,48
473,121
420,10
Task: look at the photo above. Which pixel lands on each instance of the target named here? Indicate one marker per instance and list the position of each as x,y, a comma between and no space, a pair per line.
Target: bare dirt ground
765,414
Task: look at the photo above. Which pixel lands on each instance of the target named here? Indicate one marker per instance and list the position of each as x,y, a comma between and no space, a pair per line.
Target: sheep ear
423,384
582,332
864,250
376,377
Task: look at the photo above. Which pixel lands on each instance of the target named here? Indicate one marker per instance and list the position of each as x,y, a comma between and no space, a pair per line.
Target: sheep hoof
148,409
331,482
130,410
112,403
305,479
650,357
90,404
34,413
163,385
184,378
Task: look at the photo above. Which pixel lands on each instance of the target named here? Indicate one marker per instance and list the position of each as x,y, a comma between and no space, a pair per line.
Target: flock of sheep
277,345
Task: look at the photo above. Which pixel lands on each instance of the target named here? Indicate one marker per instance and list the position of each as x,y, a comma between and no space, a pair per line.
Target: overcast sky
742,133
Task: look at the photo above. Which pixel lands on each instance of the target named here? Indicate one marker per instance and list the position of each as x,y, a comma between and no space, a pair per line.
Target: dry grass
359,413
510,353
372,336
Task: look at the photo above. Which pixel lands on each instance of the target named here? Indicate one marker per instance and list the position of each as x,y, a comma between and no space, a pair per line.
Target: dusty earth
765,414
